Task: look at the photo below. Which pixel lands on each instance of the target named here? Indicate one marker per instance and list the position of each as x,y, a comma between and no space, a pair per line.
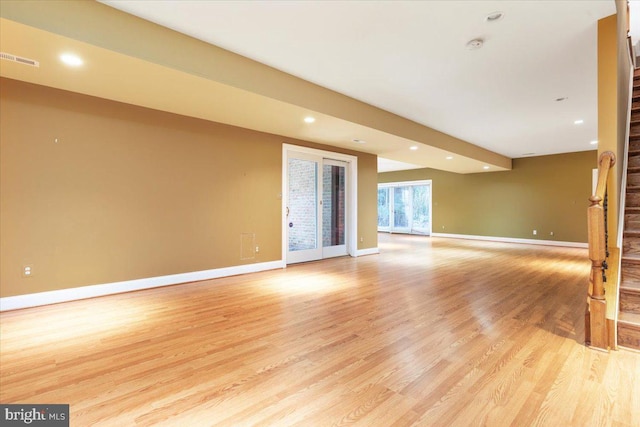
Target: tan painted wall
129,193
545,193
608,112
624,70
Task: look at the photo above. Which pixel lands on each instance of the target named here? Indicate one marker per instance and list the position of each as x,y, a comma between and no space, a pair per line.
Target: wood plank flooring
431,332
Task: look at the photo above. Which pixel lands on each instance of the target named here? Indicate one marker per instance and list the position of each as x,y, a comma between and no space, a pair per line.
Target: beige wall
608,112
624,70
128,193
545,193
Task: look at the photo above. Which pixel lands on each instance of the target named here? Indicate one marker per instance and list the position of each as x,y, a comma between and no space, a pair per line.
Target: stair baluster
605,266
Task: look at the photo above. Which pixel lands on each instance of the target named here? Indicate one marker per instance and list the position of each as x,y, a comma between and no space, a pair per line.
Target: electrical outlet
361,239
257,249
551,233
27,270
535,232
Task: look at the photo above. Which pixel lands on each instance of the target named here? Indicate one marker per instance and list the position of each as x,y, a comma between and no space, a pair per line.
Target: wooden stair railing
596,332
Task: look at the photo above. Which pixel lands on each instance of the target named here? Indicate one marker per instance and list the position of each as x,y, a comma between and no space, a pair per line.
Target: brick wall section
333,205
302,204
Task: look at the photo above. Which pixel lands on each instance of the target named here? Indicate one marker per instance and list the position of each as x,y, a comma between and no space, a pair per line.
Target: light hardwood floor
431,332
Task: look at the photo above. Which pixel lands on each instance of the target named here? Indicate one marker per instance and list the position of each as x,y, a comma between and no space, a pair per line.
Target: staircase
629,315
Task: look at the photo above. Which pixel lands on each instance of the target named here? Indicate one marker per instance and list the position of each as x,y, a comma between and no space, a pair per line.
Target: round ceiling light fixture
359,141
475,44
494,16
71,59
309,119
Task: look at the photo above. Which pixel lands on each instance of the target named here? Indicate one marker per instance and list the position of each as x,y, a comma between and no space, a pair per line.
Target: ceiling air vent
20,59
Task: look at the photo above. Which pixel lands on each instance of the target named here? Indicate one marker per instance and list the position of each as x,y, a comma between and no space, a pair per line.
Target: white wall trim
513,240
368,251
91,291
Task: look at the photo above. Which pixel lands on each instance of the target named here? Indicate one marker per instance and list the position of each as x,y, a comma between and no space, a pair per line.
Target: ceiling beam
105,27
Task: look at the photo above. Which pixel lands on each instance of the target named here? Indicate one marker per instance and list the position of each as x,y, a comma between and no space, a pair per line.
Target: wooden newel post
597,249
596,330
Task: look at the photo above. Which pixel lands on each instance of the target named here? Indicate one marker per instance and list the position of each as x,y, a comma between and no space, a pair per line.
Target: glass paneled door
405,207
383,209
303,208
316,208
401,209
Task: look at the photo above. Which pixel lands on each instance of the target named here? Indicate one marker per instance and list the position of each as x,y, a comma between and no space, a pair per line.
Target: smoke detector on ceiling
19,59
475,44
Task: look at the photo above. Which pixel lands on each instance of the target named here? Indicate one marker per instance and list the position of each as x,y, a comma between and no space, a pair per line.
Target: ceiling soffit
134,59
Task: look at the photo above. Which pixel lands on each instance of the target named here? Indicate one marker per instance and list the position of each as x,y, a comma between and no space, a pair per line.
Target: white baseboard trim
91,291
513,240
368,251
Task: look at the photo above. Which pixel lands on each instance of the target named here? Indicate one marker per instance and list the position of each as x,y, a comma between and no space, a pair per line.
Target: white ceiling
634,22
409,58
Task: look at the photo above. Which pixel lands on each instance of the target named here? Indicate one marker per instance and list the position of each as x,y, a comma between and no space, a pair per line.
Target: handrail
596,333
605,162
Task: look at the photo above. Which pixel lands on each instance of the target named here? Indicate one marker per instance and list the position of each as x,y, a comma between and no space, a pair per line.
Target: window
405,207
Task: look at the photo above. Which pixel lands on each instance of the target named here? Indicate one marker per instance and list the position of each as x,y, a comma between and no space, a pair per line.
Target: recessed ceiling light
494,16
71,60
528,154
475,44
594,142
309,119
449,157
485,167
359,141
562,98
578,122
413,147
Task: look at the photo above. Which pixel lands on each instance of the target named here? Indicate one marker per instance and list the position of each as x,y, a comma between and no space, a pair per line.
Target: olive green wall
545,193
128,193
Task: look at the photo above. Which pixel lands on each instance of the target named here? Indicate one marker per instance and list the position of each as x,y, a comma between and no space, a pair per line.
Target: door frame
351,195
